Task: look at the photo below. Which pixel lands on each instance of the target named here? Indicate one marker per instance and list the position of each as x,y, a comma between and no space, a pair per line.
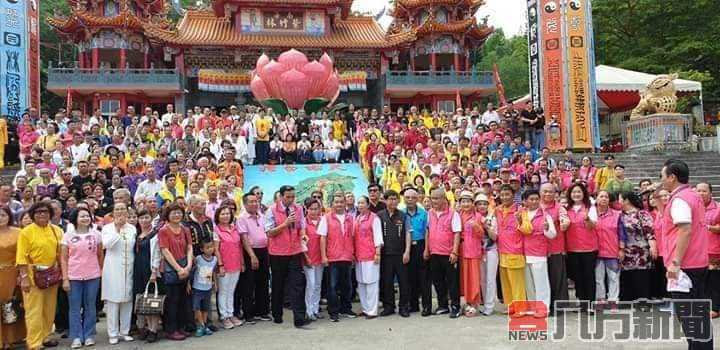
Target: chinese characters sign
13,60
534,53
579,73
283,20
33,51
552,69
255,20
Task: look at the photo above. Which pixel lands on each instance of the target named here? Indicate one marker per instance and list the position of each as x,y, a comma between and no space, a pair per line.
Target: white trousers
605,267
369,294
119,316
226,293
537,282
489,268
313,286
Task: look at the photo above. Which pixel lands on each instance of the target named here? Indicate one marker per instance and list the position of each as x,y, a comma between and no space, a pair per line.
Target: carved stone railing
658,132
113,78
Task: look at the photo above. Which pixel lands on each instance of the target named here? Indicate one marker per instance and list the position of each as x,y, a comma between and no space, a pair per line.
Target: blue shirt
418,223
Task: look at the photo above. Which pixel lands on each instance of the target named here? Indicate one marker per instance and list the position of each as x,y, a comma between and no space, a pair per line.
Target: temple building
131,53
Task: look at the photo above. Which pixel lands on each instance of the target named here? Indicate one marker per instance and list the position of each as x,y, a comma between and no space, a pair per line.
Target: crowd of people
106,208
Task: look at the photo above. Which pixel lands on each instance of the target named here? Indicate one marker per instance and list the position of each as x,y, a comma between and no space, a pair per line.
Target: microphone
288,212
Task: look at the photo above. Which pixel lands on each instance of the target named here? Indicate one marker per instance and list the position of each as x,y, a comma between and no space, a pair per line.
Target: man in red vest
686,255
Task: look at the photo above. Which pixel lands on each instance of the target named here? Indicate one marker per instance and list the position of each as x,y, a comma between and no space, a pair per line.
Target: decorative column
467,61
180,63
146,60
412,60
123,103
123,59
95,58
456,62
81,59
433,61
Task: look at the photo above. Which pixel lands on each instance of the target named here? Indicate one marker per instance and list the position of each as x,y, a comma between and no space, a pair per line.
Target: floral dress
640,231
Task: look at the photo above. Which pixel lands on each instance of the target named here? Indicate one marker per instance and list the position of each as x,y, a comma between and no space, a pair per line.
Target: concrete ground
394,332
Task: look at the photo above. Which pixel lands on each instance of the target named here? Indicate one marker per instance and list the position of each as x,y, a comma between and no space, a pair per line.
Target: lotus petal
326,61
332,87
294,86
270,74
259,89
261,62
293,59
318,74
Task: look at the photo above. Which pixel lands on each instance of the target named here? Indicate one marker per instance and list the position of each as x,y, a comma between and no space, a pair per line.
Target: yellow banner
578,70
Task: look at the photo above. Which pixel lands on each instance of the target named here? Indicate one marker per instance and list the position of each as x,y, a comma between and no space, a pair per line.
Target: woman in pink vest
611,244
582,242
313,260
658,281
640,249
368,237
230,261
471,251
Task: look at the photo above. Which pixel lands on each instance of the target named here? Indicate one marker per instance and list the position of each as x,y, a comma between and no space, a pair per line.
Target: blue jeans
83,295
340,281
539,139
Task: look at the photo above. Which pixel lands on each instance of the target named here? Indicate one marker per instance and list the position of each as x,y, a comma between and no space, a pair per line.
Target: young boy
203,284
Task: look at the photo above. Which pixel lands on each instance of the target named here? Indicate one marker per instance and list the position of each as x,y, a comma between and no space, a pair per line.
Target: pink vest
440,234
471,246
712,211
536,244
289,241
509,240
607,231
339,238
578,237
557,244
696,255
230,247
364,239
313,244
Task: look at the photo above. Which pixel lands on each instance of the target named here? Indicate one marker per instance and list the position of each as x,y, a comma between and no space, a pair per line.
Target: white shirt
167,117
322,229
79,152
148,189
490,116
680,212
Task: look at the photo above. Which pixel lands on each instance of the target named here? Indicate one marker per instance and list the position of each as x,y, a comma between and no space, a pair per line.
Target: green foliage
52,49
511,56
661,37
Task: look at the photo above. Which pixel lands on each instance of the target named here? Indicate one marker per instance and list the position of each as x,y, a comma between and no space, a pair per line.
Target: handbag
51,276
12,310
170,276
149,304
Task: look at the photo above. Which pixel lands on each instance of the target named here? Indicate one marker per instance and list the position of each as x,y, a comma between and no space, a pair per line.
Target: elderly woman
14,332
38,252
118,238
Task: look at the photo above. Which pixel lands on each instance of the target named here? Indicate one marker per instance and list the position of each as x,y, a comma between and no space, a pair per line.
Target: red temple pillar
123,59
456,62
433,61
146,60
95,103
81,60
95,58
467,62
412,61
180,63
123,103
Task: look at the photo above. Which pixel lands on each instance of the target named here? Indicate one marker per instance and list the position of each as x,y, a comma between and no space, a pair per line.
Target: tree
52,49
511,56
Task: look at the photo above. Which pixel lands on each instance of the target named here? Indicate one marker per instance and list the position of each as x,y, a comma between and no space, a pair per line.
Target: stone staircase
704,166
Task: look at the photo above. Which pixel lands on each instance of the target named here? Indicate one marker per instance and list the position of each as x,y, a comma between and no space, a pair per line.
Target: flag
69,102
458,100
499,85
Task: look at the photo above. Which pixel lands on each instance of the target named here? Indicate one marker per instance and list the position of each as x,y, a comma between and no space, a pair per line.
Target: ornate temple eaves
410,4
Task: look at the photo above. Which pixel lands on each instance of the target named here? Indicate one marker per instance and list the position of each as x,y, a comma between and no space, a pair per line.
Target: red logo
527,320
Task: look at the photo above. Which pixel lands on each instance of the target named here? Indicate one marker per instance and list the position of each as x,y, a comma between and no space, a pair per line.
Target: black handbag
170,276
149,304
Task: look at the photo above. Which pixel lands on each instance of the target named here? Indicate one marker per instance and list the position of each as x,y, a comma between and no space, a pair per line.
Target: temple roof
81,20
345,5
468,26
422,3
204,28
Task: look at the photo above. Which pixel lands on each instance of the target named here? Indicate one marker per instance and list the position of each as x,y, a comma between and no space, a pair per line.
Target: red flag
499,85
458,100
69,102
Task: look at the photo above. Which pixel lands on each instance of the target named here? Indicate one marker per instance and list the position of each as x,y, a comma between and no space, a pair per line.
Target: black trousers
62,316
262,150
635,284
446,279
557,273
177,301
391,266
419,277
658,281
340,291
712,288
581,269
255,286
690,327
288,270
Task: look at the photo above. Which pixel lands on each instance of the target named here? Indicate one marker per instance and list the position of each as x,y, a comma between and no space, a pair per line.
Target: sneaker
228,324
349,314
89,342
265,318
212,327
334,318
76,344
113,341
236,321
250,321
207,331
199,332
442,311
455,312
126,338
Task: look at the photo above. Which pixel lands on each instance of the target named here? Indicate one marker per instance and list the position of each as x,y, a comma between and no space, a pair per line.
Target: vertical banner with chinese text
534,53
13,60
553,86
33,52
579,71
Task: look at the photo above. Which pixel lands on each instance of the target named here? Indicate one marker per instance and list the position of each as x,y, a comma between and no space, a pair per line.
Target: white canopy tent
618,79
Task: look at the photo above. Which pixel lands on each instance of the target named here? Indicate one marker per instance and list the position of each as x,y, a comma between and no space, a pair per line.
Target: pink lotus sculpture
292,82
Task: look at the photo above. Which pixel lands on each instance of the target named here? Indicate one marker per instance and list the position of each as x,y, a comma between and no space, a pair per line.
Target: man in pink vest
285,228
337,250
557,269
712,222
686,252
442,250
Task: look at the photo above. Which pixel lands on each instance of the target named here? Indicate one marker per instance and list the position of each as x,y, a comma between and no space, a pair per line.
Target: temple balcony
452,82
85,81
